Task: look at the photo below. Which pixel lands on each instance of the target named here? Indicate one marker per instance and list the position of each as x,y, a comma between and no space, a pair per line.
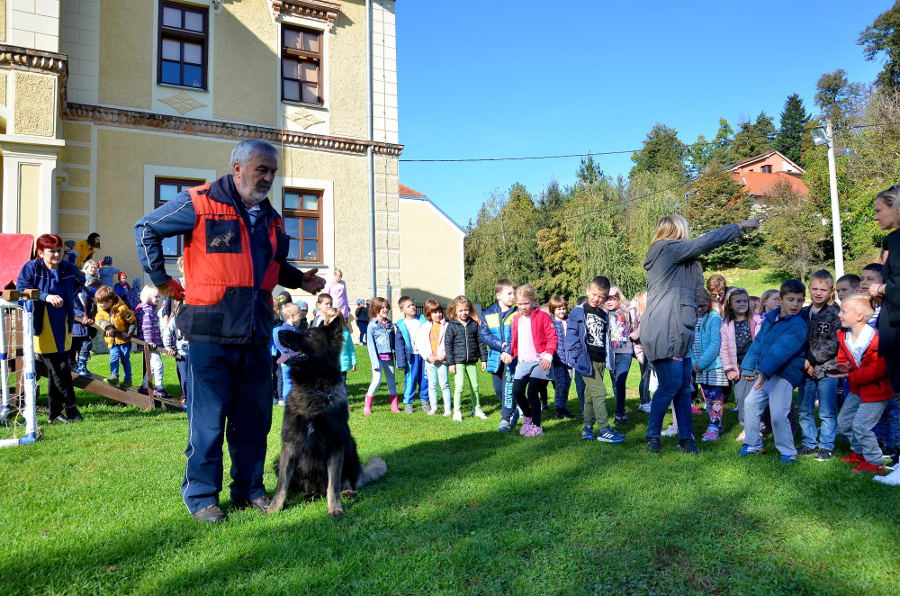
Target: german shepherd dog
318,454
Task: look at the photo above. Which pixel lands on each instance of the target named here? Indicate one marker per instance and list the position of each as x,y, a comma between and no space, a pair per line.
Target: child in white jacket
430,342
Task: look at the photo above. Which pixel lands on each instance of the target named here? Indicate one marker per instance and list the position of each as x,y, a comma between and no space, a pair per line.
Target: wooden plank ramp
96,384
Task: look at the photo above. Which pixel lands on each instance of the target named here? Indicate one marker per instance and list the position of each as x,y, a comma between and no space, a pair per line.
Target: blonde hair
617,291
463,300
330,314
862,304
289,309
89,263
149,292
526,291
761,307
640,301
891,198
672,227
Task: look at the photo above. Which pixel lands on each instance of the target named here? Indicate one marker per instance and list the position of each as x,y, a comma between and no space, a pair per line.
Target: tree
841,101
589,172
716,199
752,139
883,37
792,133
704,152
795,231
662,152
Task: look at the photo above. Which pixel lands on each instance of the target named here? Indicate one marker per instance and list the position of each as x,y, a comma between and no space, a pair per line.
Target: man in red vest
235,252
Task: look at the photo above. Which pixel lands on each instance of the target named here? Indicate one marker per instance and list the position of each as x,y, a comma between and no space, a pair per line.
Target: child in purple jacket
151,333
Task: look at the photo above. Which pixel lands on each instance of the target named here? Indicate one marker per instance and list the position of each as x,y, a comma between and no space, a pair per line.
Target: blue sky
500,78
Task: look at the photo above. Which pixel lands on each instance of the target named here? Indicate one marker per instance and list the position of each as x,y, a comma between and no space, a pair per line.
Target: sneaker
479,414
672,431
853,458
408,408
260,503
788,459
112,381
125,384
740,438
74,415
824,454
526,425
711,434
892,479
504,426
748,450
804,450
610,435
545,407
61,419
620,419
564,414
143,390
534,431
426,407
161,394
587,433
653,445
867,467
448,413
734,410
433,411
688,446
644,408
695,410
210,513
514,419
457,416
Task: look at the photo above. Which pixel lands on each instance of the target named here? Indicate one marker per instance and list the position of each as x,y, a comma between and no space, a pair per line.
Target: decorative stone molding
318,10
224,130
182,103
18,58
304,118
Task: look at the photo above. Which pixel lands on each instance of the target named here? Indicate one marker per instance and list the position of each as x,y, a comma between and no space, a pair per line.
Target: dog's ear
290,340
335,328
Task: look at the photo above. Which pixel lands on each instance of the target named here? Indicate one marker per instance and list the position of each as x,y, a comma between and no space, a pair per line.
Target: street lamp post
826,138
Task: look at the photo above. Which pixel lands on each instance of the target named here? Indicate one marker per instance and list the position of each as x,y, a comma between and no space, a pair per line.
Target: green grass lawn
94,507
755,281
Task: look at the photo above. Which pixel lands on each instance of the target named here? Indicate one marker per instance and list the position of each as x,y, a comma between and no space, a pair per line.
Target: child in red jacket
533,344
870,388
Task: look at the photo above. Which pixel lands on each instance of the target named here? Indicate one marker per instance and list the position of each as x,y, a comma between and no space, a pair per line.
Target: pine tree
752,139
662,152
792,134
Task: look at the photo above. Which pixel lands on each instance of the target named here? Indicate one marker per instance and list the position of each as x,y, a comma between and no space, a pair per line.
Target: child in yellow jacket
118,323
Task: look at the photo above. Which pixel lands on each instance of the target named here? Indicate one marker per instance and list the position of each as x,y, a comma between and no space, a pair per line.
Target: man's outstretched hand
172,289
312,283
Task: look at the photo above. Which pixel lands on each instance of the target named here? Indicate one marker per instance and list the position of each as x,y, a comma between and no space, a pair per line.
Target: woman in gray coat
674,279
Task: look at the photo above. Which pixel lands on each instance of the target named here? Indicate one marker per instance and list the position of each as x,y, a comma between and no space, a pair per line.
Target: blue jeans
120,353
674,388
619,379
825,390
503,387
562,381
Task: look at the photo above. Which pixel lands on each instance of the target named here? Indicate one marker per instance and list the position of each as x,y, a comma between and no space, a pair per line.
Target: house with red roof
761,173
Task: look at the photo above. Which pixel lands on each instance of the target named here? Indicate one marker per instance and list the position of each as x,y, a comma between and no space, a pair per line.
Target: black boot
73,414
653,445
688,446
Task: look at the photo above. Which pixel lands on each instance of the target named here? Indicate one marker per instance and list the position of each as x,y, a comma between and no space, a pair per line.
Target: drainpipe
370,154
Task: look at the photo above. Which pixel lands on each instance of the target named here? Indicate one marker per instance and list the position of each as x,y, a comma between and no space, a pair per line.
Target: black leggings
531,406
60,390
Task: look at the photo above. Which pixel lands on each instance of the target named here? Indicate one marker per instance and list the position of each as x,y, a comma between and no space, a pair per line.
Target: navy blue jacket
255,316
779,348
495,333
575,351
35,276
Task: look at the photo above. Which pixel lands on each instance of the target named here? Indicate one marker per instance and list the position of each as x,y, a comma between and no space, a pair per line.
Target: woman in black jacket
464,350
887,214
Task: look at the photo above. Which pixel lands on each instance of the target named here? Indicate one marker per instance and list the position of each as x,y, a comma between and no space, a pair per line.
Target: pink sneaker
694,410
526,426
534,431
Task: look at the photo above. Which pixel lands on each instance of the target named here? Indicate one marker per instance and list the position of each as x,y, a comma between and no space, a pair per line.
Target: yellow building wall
2,21
122,154
34,104
246,64
29,196
431,254
126,56
347,72
2,90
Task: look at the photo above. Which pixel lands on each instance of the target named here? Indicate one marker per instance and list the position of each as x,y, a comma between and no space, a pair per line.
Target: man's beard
256,196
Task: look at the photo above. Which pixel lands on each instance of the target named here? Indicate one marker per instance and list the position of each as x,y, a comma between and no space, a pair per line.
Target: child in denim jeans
380,341
118,323
560,373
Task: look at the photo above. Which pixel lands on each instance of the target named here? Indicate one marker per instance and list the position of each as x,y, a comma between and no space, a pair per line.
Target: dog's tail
374,469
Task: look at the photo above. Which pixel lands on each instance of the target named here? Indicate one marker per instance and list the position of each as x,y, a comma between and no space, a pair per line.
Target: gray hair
246,149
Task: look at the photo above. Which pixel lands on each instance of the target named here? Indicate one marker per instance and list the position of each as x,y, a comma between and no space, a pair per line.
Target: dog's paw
336,512
348,493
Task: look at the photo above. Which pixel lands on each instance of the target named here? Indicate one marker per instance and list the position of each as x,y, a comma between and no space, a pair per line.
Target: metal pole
370,154
29,372
835,209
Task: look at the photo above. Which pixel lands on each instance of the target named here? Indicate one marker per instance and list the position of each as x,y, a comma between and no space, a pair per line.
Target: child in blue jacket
380,342
408,358
775,361
708,371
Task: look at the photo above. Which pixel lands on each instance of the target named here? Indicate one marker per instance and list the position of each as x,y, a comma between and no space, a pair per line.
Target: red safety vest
217,253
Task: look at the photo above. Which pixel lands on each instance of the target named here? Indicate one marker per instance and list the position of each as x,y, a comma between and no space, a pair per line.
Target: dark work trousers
61,391
77,342
503,387
644,387
181,367
279,380
230,396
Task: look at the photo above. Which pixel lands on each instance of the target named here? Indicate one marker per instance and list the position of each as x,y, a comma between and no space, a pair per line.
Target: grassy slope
94,507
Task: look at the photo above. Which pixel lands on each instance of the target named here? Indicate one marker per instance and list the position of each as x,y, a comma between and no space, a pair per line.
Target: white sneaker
447,412
672,431
432,411
457,416
892,479
740,438
479,414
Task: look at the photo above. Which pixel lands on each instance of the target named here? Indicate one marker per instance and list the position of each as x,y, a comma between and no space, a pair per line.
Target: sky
501,78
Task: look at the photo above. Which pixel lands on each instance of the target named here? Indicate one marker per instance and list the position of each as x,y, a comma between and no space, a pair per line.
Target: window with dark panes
183,33
302,214
301,65
166,190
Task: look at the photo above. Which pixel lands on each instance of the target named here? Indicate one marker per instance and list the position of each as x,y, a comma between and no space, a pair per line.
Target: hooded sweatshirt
823,343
